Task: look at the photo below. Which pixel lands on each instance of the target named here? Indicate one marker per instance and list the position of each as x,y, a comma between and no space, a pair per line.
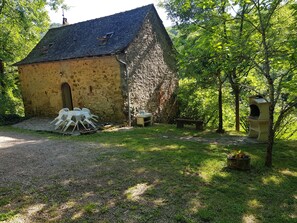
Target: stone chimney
65,22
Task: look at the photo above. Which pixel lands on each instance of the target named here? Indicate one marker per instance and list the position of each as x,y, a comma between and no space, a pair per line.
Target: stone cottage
109,65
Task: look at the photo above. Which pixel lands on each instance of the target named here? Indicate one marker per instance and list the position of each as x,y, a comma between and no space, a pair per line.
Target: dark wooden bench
181,121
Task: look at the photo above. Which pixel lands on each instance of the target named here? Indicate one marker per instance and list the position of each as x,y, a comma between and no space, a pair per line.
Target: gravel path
24,157
30,165
37,124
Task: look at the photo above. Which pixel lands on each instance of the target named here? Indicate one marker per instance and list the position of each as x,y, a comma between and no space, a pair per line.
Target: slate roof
86,39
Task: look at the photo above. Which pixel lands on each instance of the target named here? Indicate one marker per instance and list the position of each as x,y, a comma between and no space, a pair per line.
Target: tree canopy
22,23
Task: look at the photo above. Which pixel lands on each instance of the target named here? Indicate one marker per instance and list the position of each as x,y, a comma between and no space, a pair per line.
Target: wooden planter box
239,163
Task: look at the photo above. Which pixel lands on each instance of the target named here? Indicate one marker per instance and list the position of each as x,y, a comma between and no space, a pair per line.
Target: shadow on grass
150,175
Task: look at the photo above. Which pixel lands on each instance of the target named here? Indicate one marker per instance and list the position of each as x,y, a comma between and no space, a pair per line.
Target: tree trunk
236,90
1,67
220,102
270,84
237,115
268,159
271,132
2,83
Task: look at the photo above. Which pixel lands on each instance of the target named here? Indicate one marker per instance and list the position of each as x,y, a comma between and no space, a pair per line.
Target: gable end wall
153,74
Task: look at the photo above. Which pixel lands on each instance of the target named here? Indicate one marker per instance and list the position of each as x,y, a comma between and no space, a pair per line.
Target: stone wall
95,83
152,69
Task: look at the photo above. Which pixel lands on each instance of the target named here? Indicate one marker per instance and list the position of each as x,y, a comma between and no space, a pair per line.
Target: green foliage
275,61
288,127
90,208
21,24
210,42
10,96
197,102
253,43
7,216
258,38
200,102
10,119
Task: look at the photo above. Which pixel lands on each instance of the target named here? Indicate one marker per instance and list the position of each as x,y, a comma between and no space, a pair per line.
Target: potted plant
239,160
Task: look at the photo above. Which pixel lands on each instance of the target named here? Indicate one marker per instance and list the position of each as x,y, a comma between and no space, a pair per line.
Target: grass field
164,174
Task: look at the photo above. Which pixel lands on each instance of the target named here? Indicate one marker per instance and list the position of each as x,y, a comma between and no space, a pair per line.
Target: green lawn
164,174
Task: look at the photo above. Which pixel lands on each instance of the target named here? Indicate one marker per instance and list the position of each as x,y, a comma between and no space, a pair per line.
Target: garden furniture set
76,118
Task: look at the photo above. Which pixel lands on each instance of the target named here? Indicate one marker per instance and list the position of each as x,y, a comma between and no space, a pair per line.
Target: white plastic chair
61,123
76,109
62,115
89,122
65,125
79,120
69,122
89,115
87,118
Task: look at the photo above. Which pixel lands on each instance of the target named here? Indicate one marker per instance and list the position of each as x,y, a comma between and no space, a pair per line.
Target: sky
82,10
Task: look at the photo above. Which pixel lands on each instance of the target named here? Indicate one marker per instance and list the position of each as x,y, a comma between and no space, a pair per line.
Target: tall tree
21,25
200,58
202,28
238,46
276,59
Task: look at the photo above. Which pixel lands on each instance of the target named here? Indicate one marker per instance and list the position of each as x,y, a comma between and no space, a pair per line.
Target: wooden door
66,96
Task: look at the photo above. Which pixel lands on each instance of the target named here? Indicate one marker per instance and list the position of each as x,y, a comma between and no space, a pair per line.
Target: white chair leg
90,123
53,121
67,126
83,124
76,124
59,124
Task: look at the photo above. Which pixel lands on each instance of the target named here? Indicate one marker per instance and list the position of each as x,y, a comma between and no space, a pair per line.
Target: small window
46,48
104,39
109,35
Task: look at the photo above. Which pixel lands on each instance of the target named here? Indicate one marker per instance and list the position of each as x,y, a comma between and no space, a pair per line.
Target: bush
10,119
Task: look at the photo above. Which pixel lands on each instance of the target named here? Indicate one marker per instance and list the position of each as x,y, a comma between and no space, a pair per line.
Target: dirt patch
25,157
236,140
37,167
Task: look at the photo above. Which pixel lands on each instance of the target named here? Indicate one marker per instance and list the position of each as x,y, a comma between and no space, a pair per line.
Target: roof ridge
118,13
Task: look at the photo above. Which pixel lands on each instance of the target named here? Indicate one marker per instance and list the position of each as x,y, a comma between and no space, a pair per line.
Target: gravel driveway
31,166
26,157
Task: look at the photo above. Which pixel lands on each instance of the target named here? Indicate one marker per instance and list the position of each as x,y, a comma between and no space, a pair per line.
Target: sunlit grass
134,193
272,180
7,215
212,168
289,172
254,203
